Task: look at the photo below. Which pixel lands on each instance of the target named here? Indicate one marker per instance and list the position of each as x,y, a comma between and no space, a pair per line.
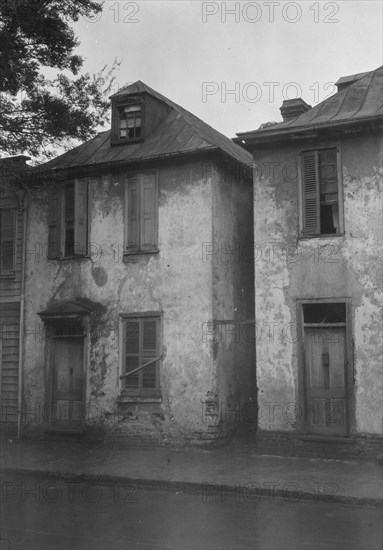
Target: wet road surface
52,514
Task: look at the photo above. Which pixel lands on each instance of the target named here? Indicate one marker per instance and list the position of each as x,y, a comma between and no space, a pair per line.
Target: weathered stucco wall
288,268
174,281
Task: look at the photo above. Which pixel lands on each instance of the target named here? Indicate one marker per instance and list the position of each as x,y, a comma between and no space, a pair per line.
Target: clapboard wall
10,293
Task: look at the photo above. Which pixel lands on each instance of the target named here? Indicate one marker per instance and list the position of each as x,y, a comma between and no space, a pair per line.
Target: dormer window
127,119
130,121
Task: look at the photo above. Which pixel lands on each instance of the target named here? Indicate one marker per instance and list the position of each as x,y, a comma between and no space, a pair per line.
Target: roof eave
125,162
304,132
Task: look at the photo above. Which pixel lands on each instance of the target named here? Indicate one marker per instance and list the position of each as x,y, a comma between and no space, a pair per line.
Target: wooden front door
326,381
67,403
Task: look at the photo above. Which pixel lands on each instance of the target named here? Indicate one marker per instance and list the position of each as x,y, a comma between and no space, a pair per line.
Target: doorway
327,369
65,328
65,411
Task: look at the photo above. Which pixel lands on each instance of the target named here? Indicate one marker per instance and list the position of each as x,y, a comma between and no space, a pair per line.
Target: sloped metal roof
361,100
180,133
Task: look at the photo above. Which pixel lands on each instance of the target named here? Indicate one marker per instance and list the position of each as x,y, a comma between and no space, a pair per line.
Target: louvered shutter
148,212
80,217
149,352
7,238
54,224
132,355
310,191
132,241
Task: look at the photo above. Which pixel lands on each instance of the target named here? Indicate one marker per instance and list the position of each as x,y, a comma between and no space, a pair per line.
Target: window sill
117,141
131,257
69,258
326,236
154,398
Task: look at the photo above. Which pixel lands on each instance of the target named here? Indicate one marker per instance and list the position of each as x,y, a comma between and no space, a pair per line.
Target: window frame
132,116
301,232
9,273
140,249
60,227
118,105
141,392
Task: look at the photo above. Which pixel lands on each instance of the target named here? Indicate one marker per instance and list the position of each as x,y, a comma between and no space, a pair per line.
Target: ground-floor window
141,354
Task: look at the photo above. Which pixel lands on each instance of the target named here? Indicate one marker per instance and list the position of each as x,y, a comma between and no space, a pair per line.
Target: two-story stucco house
129,267
318,269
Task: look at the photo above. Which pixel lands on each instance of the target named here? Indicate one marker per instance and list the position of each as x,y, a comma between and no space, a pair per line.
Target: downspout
24,210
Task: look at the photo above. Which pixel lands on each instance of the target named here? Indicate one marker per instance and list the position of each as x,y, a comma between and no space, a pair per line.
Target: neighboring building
318,269
129,267
12,225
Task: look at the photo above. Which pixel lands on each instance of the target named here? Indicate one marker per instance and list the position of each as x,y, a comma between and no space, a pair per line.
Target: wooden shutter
80,217
310,192
132,221
132,353
7,238
149,352
148,212
54,224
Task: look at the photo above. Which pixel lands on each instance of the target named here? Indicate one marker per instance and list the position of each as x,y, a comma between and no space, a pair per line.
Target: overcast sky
196,52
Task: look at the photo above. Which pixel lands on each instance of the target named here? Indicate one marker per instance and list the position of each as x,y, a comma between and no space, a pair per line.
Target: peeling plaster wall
287,269
174,281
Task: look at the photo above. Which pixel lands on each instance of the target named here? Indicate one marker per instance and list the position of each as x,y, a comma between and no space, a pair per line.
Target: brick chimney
291,108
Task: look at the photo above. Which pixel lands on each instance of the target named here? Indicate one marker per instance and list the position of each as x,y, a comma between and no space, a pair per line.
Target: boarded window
68,219
141,213
141,349
320,193
7,240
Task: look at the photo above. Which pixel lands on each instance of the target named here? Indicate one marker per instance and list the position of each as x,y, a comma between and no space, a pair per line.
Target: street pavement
228,470
41,513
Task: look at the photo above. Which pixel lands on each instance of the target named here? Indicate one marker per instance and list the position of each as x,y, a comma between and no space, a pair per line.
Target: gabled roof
180,133
359,101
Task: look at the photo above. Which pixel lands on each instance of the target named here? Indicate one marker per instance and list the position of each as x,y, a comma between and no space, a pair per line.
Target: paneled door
67,408
326,383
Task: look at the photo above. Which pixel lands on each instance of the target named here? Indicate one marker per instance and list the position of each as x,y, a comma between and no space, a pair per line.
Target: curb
251,495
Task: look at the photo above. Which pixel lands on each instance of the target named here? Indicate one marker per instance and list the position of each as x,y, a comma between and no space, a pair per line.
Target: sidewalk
209,473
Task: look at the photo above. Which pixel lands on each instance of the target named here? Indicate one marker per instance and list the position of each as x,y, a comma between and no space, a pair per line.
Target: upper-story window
127,120
68,221
130,121
322,203
141,213
7,240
